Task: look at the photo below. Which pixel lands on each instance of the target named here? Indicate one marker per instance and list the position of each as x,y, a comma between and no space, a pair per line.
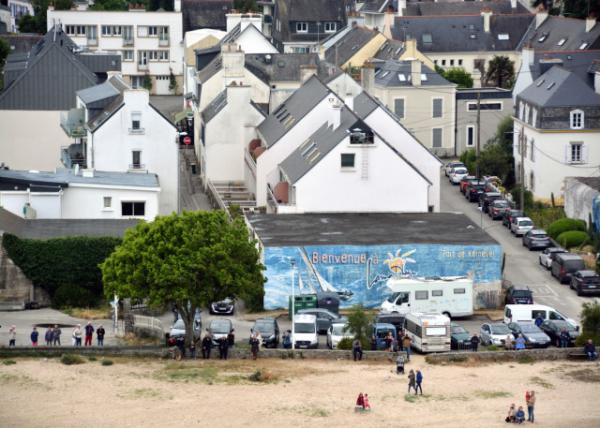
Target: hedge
67,268
565,225
572,238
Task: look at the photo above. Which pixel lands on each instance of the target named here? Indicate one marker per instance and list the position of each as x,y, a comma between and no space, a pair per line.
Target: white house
150,43
19,8
116,128
557,130
79,194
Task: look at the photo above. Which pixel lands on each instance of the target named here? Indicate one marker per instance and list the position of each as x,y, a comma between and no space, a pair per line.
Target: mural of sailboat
322,282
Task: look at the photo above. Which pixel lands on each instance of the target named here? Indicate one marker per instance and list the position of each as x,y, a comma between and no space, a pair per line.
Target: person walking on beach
56,335
530,407
100,332
48,336
89,334
34,336
419,380
411,381
12,336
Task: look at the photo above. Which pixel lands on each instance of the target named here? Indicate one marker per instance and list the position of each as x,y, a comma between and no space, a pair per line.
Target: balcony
127,42
72,155
73,123
163,41
92,42
142,67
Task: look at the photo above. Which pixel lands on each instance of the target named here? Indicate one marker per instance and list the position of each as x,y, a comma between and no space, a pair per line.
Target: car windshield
338,330
500,329
222,327
383,332
458,330
500,204
529,328
265,327
525,223
460,171
392,298
539,235
304,327
521,293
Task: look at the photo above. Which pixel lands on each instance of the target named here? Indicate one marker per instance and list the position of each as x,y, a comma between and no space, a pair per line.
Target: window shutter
436,137
399,107
437,107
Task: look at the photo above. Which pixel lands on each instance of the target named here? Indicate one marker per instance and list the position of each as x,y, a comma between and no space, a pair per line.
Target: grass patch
21,380
525,359
71,359
263,376
585,375
92,358
8,362
107,362
130,339
317,412
536,380
491,394
413,398
492,348
183,373
103,312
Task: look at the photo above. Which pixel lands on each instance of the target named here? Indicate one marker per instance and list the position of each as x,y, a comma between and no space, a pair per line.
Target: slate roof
287,67
197,14
364,105
65,177
556,28
485,93
99,92
376,6
21,43
391,49
462,33
460,7
578,62
398,73
306,10
349,45
292,110
215,106
560,88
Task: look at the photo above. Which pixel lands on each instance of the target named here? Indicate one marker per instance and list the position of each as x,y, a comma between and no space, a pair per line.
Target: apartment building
150,43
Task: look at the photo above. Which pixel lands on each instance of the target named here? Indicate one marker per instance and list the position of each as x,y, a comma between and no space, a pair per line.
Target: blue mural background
364,270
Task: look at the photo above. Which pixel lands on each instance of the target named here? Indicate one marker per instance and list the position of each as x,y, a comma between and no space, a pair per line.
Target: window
531,155
301,27
136,158
330,27
503,36
437,107
470,135
136,121
562,41
460,62
427,38
521,109
421,295
112,30
437,293
107,202
576,117
527,110
443,62
451,62
531,181
75,30
576,152
399,107
153,31
533,116
127,55
435,62
137,81
583,46
459,291
485,106
129,209
436,137
347,160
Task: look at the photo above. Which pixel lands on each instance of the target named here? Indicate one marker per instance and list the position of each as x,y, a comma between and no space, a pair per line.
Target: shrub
516,196
262,376
570,239
92,358
544,217
9,362
565,225
345,344
73,295
590,323
70,359
107,362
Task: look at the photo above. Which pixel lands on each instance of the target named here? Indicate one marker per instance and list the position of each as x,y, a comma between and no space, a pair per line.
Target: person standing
89,334
411,381
254,345
565,338
34,336
520,343
287,339
206,345
56,335
530,407
373,343
357,350
399,339
12,336
100,332
538,320
474,343
231,339
223,348
508,342
48,337
77,335
389,340
406,343
419,380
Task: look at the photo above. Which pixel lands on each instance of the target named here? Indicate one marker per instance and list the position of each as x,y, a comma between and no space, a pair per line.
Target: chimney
540,17
486,13
597,82
307,71
590,22
367,76
513,4
233,59
415,72
335,116
401,7
177,5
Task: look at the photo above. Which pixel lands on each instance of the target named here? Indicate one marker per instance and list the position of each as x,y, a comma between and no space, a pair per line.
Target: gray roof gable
375,6
398,74
215,106
97,93
349,45
578,62
198,14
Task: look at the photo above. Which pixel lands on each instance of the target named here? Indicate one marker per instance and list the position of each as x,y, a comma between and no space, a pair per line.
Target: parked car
457,174
510,215
487,198
219,328
223,307
178,329
305,331
269,331
497,208
565,265
459,337
380,331
521,225
518,295
547,256
464,182
536,239
533,335
324,318
585,282
337,332
553,328
451,165
474,192
494,333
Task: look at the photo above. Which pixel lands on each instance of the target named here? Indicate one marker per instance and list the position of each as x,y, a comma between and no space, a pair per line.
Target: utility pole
478,147
522,169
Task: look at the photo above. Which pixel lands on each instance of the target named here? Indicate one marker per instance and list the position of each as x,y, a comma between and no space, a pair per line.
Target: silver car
521,225
494,333
547,256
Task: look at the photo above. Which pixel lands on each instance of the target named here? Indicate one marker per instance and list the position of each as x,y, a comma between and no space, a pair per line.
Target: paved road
522,266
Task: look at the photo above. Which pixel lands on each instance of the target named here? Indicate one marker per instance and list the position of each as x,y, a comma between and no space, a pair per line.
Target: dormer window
330,27
301,27
503,36
583,46
576,119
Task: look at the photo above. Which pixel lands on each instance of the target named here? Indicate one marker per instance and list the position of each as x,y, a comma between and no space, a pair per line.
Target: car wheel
579,291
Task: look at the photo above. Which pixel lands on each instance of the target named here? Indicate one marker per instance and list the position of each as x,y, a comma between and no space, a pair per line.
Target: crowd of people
52,335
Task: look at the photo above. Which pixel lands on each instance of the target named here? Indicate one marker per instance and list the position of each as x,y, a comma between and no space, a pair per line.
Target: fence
144,325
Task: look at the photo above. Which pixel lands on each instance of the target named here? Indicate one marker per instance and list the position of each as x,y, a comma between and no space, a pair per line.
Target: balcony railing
163,41
250,162
73,122
128,42
142,67
72,155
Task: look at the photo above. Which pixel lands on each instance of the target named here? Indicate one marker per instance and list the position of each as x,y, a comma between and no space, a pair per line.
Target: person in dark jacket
419,381
373,343
590,350
34,336
231,338
48,336
474,343
223,348
180,343
254,345
89,334
565,338
206,345
56,335
100,335
357,352
539,320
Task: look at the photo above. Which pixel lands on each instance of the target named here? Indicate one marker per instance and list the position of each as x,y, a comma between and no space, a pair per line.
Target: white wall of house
551,158
390,185
345,86
523,76
267,163
252,41
467,60
23,146
111,147
579,198
381,121
45,204
93,21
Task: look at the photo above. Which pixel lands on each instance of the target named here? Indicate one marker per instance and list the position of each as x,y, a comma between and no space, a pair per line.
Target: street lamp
293,264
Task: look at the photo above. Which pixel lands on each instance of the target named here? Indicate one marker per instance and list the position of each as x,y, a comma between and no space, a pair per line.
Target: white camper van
452,296
428,332
528,313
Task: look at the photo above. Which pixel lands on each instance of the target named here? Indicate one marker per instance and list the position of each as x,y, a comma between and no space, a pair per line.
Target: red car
465,182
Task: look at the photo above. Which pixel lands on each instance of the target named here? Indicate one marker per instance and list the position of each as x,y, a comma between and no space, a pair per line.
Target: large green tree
500,72
359,323
456,75
188,260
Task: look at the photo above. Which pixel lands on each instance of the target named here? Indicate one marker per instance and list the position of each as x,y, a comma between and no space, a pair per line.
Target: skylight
551,85
583,46
385,74
503,36
309,145
377,71
472,36
427,38
402,77
544,37
540,83
561,41
423,76
398,50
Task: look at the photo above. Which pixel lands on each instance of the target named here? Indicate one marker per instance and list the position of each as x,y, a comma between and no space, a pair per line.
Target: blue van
380,331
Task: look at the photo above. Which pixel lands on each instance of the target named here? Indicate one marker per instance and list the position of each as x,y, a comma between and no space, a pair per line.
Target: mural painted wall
360,273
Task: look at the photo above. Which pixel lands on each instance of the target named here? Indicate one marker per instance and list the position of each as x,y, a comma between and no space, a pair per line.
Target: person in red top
360,402
89,333
366,404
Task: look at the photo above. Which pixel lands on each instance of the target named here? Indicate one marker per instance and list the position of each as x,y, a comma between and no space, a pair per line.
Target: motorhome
452,296
528,313
428,332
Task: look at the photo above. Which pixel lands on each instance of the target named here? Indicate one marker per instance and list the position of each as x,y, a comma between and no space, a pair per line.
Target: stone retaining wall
503,356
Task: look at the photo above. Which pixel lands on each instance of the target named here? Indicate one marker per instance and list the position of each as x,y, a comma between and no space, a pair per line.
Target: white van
451,296
428,332
528,313
305,331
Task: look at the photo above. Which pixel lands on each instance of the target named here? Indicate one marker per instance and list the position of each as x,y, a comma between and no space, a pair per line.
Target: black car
459,337
585,282
536,239
533,335
487,198
565,265
223,307
269,331
509,215
519,295
474,192
553,328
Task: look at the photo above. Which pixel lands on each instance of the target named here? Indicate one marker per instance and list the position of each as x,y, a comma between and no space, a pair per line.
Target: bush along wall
67,268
